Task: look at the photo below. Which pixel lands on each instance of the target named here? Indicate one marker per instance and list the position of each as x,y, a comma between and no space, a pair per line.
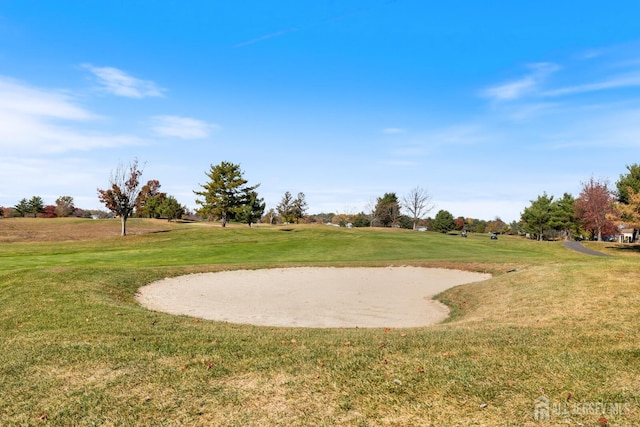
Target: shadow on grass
629,248
159,231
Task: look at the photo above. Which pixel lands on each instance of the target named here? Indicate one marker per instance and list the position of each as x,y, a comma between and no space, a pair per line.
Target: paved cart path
577,246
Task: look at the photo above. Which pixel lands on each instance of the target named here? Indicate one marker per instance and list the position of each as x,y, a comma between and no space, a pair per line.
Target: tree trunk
123,220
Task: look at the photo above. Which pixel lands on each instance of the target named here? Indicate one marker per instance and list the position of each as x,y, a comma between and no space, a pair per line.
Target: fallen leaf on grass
43,417
347,343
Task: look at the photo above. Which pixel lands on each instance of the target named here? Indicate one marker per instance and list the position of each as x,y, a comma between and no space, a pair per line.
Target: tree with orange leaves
595,207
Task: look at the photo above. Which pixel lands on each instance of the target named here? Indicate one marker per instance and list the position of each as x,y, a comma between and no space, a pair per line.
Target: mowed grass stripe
206,245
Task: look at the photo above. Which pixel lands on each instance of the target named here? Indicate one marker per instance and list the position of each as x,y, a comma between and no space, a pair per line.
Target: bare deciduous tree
124,189
418,203
370,210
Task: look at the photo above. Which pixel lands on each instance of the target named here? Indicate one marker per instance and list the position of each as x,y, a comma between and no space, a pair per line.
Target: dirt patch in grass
29,230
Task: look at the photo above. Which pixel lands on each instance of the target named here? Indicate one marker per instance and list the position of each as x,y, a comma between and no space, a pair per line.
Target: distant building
626,234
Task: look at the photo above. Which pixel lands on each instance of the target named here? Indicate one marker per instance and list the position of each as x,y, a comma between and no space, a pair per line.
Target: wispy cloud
19,98
511,90
596,64
392,131
523,86
267,37
119,83
624,80
396,163
529,111
182,127
36,120
333,18
590,54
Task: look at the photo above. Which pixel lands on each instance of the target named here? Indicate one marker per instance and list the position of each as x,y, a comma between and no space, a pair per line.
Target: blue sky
484,104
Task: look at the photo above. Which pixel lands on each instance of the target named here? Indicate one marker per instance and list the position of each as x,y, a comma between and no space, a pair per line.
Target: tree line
35,207
227,196
599,211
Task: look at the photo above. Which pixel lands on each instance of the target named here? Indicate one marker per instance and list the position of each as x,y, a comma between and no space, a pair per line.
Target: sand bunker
310,297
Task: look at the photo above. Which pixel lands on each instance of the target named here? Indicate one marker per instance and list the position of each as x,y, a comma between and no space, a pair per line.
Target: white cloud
20,98
182,127
36,120
590,54
392,131
524,86
531,84
119,83
530,111
625,80
511,90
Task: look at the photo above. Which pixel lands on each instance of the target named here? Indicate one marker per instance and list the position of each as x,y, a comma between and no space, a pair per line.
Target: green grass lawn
76,349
